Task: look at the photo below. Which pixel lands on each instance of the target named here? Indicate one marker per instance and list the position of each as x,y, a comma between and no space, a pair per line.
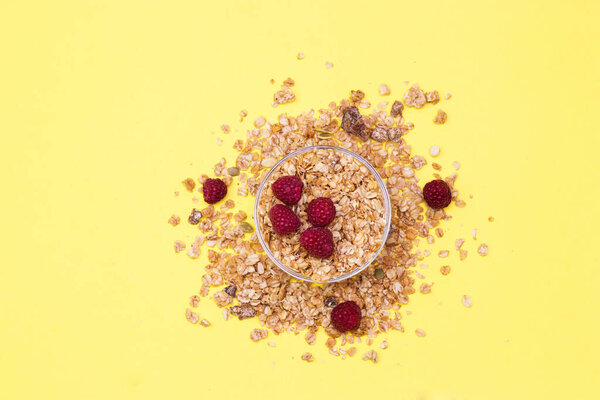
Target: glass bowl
386,201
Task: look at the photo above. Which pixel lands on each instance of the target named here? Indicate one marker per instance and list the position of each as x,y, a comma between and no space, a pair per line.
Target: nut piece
397,109
189,184
244,311
353,123
414,97
441,117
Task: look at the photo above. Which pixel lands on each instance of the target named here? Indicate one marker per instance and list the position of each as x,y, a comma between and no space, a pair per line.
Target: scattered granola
463,254
189,184
194,301
283,96
448,95
466,300
225,128
482,250
300,56
432,97
443,253
459,243
351,351
434,151
474,233
384,345
384,89
289,82
310,338
371,355
258,334
414,97
191,316
308,357
397,109
178,245
441,117
420,333
456,165
491,219
425,288
174,220
328,65
445,269
205,323
194,217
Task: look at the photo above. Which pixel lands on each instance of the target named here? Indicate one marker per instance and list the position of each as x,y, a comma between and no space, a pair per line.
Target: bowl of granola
322,214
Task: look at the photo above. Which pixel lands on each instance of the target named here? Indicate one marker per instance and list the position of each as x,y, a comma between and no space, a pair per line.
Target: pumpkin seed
246,227
233,171
379,274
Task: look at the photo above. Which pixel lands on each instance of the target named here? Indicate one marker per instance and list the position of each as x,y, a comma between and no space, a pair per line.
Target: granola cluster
358,228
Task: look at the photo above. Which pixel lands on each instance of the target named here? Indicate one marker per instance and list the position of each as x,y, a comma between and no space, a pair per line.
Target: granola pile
242,280
357,229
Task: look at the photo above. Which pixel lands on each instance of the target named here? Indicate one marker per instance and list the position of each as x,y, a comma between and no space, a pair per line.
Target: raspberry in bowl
343,207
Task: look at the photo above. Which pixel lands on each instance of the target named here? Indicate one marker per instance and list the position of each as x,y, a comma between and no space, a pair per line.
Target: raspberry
317,241
346,316
437,194
321,211
283,219
288,189
214,190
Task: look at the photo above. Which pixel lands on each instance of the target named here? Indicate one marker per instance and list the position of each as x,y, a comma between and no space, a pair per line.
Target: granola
360,219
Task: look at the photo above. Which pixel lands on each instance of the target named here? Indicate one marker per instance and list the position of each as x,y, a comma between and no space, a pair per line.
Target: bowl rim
387,206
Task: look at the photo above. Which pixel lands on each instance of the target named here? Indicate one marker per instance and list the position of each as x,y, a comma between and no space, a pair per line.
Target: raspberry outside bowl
387,211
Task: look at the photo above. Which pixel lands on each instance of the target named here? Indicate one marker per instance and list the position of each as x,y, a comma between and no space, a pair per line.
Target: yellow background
106,106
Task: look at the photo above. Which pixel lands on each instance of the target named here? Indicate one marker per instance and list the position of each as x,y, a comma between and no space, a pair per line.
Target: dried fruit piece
346,316
231,290
397,109
288,189
318,242
330,302
214,190
437,194
353,123
195,217
320,211
283,219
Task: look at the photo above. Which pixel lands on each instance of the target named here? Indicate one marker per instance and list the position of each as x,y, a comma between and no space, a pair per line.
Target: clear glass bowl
386,200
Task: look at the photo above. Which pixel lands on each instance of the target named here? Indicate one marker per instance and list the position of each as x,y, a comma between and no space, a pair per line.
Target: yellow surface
106,106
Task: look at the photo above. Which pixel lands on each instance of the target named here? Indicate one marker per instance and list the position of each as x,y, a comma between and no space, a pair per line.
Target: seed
330,302
233,171
323,134
379,274
246,227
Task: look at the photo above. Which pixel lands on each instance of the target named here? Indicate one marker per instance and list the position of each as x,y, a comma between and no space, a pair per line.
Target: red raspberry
283,219
346,316
214,190
437,194
288,189
318,242
321,211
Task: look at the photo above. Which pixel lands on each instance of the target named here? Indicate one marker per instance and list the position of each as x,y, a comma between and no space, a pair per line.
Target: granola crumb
466,300
441,117
283,96
369,342
174,220
463,254
178,245
434,151
432,97
289,82
351,351
414,97
194,300
259,122
310,338
330,343
189,184
460,203
456,165
194,251
205,323
418,162
384,89
491,219
176,193
420,332
425,288
226,314
195,216
443,253
271,81
271,344
459,242
436,166
225,128
308,357
384,345
219,142
448,95
328,65
482,250
371,355
191,316
300,56
258,334
445,270
243,114
474,233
